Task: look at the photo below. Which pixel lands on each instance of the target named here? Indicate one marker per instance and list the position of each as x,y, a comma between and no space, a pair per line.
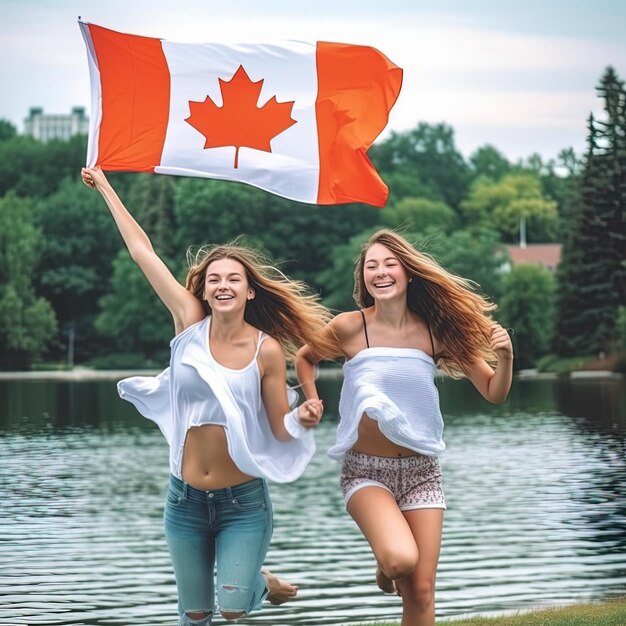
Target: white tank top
395,387
196,390
244,383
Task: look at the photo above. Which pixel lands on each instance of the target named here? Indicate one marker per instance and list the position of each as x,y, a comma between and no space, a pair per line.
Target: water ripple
536,497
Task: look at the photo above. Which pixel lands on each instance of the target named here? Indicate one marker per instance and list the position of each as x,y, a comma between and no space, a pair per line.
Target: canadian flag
295,119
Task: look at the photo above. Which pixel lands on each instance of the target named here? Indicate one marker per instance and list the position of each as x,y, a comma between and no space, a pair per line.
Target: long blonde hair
283,308
458,316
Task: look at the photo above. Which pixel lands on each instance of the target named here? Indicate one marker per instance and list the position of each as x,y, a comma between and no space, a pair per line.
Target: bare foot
279,591
386,585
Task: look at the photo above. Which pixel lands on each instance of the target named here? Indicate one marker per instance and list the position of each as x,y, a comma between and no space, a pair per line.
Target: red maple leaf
239,122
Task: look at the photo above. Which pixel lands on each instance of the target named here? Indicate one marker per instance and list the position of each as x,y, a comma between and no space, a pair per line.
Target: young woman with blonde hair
223,407
413,317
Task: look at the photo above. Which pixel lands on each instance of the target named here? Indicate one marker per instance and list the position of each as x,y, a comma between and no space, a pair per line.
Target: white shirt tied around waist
196,390
395,387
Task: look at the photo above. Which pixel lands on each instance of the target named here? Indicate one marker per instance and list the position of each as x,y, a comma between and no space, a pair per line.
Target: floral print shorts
414,481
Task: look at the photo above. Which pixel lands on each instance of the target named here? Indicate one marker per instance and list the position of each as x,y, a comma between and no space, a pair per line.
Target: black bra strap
367,341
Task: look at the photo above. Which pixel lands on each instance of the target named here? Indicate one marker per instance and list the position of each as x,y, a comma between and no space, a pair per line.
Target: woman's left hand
310,412
501,343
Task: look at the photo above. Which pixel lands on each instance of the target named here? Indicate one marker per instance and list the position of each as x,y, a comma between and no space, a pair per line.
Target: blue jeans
230,528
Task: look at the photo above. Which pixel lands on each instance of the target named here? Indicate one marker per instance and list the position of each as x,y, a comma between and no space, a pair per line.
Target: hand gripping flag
295,119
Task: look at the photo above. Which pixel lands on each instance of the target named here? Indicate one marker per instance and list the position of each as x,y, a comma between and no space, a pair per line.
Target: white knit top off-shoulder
196,390
395,387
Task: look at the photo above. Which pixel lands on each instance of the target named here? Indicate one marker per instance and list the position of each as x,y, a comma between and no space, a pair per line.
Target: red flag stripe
135,83
357,87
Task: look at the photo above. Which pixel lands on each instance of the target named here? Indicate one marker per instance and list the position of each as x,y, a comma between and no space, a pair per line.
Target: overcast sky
517,75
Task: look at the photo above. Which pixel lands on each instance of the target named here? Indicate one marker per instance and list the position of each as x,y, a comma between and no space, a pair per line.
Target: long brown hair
282,307
457,315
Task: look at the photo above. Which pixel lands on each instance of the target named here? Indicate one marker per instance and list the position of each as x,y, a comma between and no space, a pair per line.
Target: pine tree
592,271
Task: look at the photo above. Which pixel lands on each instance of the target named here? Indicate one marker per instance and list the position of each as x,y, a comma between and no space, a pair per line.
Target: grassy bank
611,613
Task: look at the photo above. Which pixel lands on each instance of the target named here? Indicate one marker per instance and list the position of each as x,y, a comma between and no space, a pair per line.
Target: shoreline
85,375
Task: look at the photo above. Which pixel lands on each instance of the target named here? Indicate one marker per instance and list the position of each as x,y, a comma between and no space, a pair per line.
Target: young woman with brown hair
223,407
414,317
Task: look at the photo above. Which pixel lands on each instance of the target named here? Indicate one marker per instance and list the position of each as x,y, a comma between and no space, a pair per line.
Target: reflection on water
536,491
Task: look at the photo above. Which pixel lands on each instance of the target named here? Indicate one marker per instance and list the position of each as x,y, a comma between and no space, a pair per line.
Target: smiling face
384,276
226,286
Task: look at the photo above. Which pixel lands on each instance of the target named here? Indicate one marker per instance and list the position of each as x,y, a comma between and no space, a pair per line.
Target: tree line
69,290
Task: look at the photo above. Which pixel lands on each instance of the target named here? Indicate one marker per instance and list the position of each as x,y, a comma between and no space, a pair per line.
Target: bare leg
406,546
279,591
387,532
418,590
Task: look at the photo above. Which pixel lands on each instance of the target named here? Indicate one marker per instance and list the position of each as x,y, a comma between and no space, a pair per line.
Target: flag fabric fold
294,119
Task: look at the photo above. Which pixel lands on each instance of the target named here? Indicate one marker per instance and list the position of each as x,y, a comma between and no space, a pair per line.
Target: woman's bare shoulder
271,348
347,324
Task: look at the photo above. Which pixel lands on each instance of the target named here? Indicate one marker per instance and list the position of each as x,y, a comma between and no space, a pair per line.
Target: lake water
536,493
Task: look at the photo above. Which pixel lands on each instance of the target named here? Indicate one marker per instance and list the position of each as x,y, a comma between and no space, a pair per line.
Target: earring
411,279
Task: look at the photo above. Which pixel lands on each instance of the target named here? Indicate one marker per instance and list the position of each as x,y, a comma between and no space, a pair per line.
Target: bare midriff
372,441
206,462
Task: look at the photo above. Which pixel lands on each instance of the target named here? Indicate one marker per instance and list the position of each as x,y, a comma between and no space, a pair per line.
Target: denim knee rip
185,620
234,596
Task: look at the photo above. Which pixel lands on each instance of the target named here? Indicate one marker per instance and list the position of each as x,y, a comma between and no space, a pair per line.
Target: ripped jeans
227,530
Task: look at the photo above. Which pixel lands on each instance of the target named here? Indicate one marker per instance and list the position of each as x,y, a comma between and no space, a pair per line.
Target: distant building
44,127
547,255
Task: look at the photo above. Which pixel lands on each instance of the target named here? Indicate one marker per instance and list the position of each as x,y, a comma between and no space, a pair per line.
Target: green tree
533,164
488,162
80,242
505,203
427,152
213,211
297,236
476,254
301,238
34,169
561,181
27,323
132,317
7,130
592,273
20,158
152,202
420,214
403,183
527,306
